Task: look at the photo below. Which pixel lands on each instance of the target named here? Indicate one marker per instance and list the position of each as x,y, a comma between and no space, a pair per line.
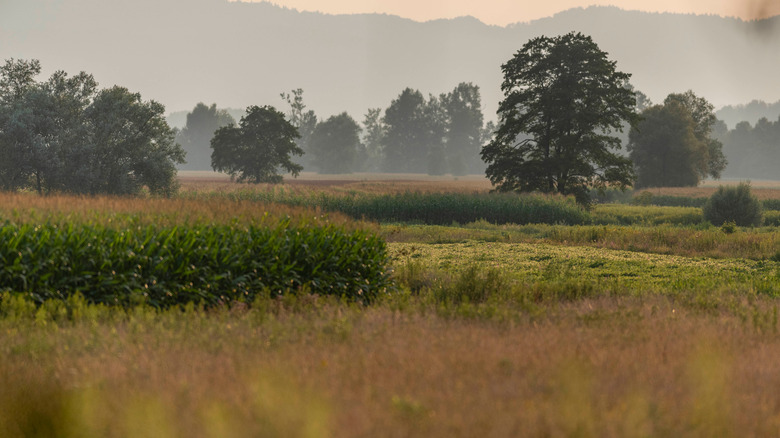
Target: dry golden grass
765,190
607,367
28,207
382,183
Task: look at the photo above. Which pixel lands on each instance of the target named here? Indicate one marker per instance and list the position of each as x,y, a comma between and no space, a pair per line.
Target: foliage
733,204
752,150
195,137
438,208
463,110
562,100
672,145
374,130
304,121
413,140
212,264
335,145
66,135
258,148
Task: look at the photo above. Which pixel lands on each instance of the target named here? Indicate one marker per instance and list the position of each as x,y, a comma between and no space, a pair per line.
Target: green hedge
212,264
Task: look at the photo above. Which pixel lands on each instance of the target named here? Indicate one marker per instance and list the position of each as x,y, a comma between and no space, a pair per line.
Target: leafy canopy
563,101
672,146
65,135
256,149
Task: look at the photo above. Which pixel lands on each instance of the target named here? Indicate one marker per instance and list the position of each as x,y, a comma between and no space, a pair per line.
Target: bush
733,204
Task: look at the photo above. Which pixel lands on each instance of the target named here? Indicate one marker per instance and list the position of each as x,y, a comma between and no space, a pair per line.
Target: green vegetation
173,266
733,204
432,208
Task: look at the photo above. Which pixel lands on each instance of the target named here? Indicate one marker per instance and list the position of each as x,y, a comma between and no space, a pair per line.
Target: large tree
335,145
463,109
672,146
258,148
563,102
63,135
195,137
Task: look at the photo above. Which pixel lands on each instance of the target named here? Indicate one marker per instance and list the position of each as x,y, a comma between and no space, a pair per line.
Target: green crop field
334,308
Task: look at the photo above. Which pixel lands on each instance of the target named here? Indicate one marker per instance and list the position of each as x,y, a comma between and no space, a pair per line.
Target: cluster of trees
66,135
753,151
434,135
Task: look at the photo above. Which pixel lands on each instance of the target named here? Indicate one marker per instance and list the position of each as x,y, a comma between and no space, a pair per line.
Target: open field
645,322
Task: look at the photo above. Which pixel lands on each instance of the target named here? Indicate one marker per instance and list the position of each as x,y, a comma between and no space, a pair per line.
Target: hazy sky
503,12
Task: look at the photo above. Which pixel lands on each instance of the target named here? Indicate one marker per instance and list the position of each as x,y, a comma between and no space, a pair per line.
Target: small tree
563,100
733,204
258,148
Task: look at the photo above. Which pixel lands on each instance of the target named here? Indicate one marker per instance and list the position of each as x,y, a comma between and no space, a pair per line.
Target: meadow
632,320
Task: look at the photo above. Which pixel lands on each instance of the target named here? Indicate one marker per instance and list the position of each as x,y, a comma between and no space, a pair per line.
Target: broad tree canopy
258,148
563,102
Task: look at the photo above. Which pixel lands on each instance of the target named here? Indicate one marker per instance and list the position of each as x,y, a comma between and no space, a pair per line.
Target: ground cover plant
648,323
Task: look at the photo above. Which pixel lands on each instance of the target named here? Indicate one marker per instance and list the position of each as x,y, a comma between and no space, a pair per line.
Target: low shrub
733,204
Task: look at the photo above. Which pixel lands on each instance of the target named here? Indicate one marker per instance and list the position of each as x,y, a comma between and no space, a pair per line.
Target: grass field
645,323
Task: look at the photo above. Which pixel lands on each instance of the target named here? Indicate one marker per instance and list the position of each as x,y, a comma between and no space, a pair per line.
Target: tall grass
429,208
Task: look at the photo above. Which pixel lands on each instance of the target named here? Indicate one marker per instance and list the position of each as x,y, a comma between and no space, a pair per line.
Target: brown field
607,367
399,183
688,358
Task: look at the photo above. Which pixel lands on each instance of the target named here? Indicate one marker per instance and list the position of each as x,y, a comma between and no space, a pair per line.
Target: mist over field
238,54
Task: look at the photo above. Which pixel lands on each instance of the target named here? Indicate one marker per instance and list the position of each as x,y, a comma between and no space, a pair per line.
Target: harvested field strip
609,271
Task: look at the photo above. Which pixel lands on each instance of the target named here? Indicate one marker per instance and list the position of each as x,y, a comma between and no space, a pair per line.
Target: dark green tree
463,109
136,153
17,121
335,144
703,116
258,148
195,137
673,146
63,135
665,149
563,102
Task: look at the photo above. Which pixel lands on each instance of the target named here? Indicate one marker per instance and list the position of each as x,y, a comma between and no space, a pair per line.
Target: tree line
562,125
414,134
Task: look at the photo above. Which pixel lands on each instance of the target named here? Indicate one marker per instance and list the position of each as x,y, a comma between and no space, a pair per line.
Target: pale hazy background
503,12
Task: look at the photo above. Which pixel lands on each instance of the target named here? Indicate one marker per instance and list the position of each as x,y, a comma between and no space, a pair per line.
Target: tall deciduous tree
414,136
195,137
258,148
463,108
374,130
304,121
672,146
703,115
64,135
563,101
335,144
138,152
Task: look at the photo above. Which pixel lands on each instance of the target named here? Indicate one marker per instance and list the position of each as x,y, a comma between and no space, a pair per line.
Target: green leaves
170,266
258,148
563,99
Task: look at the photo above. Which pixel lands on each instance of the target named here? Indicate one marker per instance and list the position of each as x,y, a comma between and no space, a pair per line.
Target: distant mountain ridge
181,52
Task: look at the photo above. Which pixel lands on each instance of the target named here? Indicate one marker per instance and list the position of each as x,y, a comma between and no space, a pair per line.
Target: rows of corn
66,245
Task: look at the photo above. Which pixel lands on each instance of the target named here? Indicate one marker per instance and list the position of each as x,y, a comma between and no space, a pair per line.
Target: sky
503,12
